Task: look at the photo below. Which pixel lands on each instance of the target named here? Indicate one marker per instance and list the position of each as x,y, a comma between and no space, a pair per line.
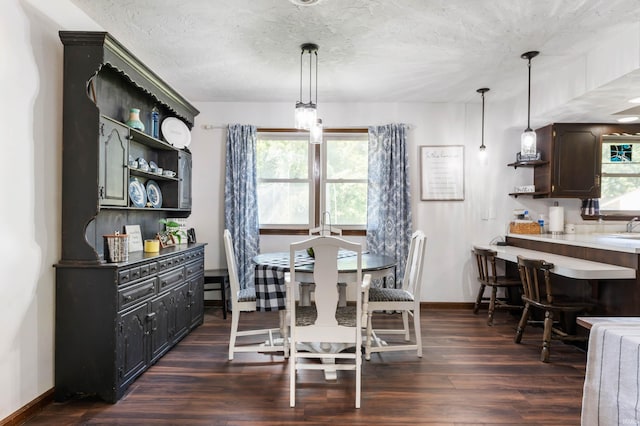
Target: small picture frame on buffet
166,240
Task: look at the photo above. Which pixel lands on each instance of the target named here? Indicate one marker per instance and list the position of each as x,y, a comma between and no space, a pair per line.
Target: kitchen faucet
631,224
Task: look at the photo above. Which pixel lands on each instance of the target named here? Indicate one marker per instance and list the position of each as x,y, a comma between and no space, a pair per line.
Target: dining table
270,270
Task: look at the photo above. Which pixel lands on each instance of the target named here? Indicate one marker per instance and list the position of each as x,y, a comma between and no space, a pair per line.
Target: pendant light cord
482,144
301,57
529,99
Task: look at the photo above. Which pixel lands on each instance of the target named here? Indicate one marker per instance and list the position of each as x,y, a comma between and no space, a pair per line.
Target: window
620,191
297,181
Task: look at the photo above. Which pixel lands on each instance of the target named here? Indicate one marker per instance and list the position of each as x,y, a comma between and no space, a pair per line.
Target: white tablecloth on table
612,381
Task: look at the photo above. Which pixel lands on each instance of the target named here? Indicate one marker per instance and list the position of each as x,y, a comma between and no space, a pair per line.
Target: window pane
282,158
283,203
620,193
620,157
347,203
347,158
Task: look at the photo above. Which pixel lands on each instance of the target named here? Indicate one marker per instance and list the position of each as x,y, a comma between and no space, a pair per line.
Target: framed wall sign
442,173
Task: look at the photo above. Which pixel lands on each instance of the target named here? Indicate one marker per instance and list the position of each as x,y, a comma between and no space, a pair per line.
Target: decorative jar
134,120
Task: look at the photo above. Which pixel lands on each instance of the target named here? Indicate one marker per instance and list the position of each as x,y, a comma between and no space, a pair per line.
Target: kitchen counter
567,266
596,241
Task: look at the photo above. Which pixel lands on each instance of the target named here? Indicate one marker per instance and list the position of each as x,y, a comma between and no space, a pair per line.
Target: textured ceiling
370,50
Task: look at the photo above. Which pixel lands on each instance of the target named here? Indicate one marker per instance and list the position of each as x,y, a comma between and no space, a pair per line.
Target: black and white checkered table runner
271,290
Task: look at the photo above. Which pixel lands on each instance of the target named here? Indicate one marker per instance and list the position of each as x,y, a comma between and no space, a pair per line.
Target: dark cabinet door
196,294
184,184
161,328
576,163
113,188
132,344
182,310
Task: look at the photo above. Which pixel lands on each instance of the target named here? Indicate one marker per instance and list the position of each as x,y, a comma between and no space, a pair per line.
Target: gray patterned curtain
241,199
389,224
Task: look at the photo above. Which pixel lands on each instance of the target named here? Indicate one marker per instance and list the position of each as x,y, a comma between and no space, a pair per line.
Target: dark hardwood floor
470,374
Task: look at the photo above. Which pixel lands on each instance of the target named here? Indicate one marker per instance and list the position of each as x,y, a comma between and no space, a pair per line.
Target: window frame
616,214
317,183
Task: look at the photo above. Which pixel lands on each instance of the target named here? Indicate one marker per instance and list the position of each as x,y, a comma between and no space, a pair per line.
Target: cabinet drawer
128,275
194,268
136,293
149,269
170,262
170,279
194,254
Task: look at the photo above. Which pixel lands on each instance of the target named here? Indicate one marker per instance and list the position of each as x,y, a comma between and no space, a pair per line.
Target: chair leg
476,307
492,304
522,324
405,323
293,358
417,330
546,336
358,378
235,319
367,347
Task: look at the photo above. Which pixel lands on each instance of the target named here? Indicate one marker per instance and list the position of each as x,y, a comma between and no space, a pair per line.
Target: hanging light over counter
528,149
483,148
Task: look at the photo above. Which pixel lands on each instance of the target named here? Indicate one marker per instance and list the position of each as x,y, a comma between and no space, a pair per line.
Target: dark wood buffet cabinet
114,320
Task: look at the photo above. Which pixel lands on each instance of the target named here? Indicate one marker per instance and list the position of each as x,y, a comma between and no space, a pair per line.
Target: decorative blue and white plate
137,193
154,194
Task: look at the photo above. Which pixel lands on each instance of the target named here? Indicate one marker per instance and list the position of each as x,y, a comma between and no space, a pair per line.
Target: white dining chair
324,328
244,300
307,288
405,300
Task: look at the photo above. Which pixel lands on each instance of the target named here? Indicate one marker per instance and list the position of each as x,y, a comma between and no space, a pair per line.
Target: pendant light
315,133
306,114
483,149
528,149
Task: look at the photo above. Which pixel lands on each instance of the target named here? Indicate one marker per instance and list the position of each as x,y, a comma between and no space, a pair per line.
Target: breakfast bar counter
618,293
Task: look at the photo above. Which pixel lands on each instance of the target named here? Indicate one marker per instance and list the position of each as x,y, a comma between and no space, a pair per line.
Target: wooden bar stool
219,278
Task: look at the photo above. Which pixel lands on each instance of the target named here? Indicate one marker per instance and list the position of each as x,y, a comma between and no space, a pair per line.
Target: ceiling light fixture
483,149
627,119
306,113
305,2
528,138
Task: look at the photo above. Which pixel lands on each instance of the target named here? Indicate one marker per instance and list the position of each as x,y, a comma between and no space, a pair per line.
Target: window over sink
620,186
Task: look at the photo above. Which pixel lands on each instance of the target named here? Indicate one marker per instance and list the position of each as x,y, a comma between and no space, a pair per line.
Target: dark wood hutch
114,320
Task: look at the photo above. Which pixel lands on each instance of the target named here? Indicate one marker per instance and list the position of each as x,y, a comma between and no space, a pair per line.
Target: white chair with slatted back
245,301
307,288
326,232
405,300
325,323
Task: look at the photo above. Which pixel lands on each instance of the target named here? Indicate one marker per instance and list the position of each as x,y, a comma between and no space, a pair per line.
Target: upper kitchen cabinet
102,81
573,152
571,159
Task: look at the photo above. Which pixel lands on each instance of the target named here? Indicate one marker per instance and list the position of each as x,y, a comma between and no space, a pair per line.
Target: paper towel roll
556,219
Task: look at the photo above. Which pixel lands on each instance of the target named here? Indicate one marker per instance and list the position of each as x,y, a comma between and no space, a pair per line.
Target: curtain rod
349,129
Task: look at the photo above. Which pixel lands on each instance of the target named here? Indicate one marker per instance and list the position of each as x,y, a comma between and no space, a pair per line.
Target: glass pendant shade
528,142
306,115
315,133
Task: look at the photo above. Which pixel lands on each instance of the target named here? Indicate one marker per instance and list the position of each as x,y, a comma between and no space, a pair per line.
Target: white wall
31,120
30,116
